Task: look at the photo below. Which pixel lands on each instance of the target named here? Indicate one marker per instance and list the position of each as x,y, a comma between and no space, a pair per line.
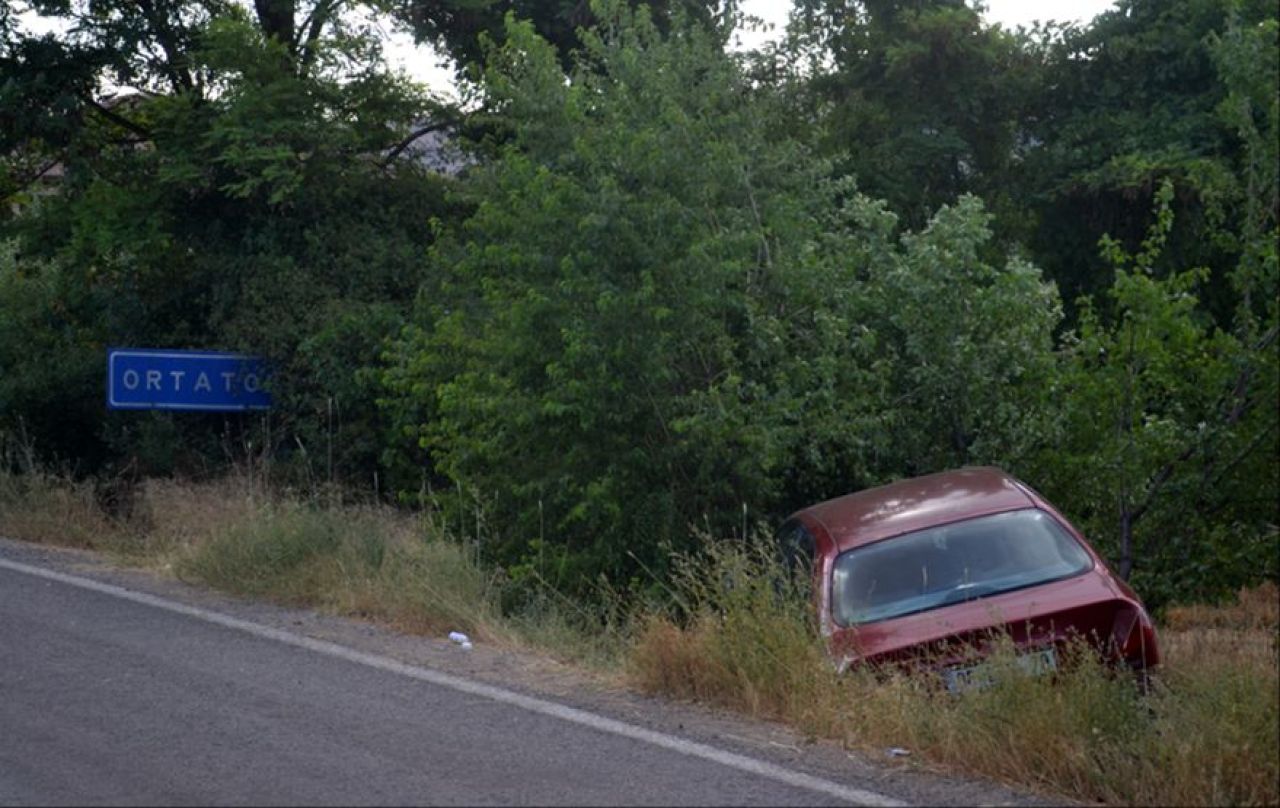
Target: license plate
976,677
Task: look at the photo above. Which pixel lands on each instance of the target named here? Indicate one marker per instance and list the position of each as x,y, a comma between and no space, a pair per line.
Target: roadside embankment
734,633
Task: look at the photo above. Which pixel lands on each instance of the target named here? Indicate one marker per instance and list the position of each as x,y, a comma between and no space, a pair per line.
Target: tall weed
365,561
51,509
1205,735
735,629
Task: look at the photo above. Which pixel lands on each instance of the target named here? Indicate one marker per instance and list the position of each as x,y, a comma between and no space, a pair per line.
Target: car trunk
1054,615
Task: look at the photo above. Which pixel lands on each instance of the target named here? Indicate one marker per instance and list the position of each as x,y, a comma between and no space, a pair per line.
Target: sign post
209,381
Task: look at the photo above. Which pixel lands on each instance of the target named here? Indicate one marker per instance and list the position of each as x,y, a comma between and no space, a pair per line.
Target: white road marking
573,715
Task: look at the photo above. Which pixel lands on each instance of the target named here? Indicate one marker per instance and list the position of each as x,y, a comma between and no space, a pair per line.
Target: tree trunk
1126,541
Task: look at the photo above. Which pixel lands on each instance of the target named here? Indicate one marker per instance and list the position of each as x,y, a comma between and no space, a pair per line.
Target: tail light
1139,647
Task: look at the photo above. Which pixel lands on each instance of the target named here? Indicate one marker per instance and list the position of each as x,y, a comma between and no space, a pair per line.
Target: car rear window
953,563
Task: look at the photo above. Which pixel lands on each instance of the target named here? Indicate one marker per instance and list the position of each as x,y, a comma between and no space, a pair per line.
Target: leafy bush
253,197
1169,422
666,312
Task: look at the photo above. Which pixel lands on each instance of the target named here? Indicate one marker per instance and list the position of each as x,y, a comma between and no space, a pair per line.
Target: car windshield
952,563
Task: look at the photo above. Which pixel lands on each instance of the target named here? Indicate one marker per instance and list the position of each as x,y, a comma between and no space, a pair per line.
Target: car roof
917,503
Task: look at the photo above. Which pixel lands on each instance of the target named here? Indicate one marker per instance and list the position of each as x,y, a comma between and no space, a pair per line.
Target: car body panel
1093,605
917,503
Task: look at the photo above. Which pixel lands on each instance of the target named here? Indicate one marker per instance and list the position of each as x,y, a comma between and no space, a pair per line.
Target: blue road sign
139,379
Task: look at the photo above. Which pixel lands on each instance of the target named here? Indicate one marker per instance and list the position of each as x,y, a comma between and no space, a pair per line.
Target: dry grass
48,509
368,561
1256,609
738,634
1208,734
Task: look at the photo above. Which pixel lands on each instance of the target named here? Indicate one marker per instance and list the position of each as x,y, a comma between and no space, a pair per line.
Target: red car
933,565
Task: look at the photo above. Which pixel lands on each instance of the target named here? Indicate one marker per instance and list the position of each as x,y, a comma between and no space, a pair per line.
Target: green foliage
260,200
657,297
1128,102
921,100
967,347
665,311
1167,450
1063,131
50,352
604,307
459,27
1248,60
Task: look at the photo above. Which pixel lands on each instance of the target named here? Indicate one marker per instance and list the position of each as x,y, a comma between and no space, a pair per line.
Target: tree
920,100
967,345
1168,449
1247,57
1171,379
255,194
49,387
665,312
458,27
594,356
1127,102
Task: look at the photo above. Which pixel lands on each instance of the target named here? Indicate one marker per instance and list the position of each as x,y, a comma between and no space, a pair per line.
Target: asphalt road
109,698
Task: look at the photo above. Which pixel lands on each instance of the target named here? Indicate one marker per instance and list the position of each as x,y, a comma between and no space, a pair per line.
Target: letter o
130,380
251,382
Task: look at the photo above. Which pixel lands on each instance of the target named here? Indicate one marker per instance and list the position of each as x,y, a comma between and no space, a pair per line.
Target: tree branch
1160,478
1244,453
175,66
1239,396
312,26
117,119
1242,381
412,136
275,19
30,180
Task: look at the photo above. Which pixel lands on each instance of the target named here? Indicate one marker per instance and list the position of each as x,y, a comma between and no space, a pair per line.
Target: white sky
1012,13
422,63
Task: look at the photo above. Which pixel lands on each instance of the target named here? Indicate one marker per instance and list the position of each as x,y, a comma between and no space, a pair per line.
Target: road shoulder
535,675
